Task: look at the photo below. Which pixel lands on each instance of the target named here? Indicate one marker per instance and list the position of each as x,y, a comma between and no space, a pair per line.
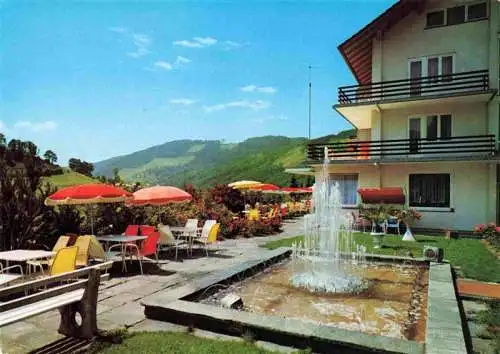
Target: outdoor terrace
458,147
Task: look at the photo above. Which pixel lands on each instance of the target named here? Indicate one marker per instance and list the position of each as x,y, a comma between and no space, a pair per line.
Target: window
433,69
455,15
435,19
476,12
348,185
430,190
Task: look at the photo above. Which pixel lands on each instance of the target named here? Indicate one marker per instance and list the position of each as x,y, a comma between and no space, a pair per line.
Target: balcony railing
471,81
458,146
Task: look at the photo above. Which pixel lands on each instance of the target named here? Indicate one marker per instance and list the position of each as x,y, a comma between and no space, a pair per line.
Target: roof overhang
357,50
359,114
300,171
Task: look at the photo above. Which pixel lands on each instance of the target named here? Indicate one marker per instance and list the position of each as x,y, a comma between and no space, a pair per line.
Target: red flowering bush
490,232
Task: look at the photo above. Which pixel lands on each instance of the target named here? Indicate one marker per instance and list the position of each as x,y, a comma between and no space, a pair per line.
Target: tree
83,167
293,182
310,181
29,148
3,140
50,156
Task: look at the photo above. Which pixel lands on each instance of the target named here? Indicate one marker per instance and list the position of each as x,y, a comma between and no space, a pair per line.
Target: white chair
6,278
168,240
191,228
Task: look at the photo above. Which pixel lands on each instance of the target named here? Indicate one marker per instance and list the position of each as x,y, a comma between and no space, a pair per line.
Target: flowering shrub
408,215
490,232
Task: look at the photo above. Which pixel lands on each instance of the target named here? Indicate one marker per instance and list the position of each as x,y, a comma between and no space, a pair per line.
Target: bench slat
17,288
42,295
37,308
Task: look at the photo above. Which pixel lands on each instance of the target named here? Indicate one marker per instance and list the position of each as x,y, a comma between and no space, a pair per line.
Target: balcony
417,88
474,147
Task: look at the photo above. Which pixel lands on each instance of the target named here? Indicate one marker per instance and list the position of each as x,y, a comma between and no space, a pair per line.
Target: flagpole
310,92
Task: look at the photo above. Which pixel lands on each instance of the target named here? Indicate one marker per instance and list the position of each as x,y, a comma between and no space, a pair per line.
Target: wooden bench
77,296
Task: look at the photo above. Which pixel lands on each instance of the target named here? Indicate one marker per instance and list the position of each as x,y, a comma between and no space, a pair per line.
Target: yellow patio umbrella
245,184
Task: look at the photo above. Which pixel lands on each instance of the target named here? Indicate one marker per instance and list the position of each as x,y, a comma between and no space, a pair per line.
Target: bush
490,232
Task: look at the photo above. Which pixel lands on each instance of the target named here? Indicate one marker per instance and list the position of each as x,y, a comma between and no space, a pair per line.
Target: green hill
69,178
207,162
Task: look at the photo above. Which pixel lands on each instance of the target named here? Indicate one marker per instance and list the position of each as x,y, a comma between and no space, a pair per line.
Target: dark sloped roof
357,50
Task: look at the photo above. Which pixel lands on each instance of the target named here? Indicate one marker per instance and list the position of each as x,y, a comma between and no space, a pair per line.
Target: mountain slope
205,163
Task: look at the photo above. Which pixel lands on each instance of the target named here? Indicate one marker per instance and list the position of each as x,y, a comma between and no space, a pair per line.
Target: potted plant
377,215
408,216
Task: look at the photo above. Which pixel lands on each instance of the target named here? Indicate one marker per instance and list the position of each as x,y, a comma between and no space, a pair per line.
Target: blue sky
96,79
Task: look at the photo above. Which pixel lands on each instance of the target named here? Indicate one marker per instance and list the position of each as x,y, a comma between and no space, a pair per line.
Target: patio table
123,240
24,255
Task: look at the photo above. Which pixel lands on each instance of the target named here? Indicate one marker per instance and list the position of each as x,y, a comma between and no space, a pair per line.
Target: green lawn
473,258
182,343
69,178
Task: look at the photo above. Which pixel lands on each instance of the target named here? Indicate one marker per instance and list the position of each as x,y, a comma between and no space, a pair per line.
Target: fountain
319,261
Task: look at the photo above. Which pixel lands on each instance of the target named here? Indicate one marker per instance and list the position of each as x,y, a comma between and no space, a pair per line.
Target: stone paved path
118,304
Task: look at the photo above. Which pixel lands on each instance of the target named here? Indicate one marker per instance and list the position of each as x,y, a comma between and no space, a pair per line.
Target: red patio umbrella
294,190
159,195
92,193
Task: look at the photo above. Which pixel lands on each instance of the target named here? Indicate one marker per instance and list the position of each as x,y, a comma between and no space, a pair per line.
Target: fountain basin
441,333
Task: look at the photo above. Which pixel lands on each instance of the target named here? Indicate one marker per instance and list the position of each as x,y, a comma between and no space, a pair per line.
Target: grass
174,342
69,178
472,256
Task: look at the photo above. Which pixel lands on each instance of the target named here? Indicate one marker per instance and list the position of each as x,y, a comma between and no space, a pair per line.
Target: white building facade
426,110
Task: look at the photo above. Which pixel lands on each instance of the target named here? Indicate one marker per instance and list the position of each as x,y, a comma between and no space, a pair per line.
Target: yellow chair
253,214
83,244
64,261
210,238
96,251
61,242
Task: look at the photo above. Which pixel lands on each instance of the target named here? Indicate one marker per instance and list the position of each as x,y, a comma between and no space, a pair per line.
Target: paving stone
213,335
125,315
155,326
472,308
120,299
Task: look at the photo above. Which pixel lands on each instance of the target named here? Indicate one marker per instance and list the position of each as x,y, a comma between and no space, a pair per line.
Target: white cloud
182,60
231,45
36,127
142,43
279,117
262,89
196,42
164,65
255,105
3,128
207,41
118,29
182,101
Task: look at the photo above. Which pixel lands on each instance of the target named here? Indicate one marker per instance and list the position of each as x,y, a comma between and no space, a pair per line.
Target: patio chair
64,261
210,238
83,244
167,239
147,230
131,230
96,251
61,242
253,215
148,248
393,223
6,278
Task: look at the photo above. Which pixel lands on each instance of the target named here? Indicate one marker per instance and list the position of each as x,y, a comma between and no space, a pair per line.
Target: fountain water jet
320,262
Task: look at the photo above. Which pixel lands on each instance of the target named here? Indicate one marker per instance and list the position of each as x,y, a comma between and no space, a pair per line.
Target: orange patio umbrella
159,195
